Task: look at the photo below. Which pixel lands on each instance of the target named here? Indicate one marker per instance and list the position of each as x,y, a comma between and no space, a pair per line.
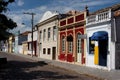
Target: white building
19,38
47,35
101,39
35,35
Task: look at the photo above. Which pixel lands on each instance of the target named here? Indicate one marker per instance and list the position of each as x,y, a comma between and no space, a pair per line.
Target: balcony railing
101,17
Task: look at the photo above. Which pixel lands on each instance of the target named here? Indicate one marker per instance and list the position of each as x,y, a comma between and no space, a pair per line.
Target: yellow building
11,44
25,47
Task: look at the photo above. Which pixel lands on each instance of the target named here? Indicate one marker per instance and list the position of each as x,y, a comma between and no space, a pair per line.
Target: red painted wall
79,17
69,57
81,30
62,54
70,32
62,23
62,57
70,20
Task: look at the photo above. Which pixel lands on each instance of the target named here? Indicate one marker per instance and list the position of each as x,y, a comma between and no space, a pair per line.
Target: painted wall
71,57
117,44
16,44
25,48
90,57
47,43
35,35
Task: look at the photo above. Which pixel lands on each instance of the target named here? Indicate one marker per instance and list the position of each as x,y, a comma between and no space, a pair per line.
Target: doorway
103,48
79,49
54,53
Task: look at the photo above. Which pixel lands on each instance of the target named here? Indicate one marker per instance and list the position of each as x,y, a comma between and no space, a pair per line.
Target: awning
100,35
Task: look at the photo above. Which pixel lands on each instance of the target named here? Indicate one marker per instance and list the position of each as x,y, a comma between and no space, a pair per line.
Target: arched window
70,43
79,50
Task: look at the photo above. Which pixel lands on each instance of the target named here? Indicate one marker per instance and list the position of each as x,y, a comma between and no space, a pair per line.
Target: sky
39,7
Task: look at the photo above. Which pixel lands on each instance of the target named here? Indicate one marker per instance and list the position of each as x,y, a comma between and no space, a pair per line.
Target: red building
71,37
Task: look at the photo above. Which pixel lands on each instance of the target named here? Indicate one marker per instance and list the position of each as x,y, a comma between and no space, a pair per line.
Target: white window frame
63,44
70,46
49,33
44,34
40,36
79,42
54,33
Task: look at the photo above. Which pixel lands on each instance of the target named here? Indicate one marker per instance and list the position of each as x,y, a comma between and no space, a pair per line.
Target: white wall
20,48
47,43
34,36
90,57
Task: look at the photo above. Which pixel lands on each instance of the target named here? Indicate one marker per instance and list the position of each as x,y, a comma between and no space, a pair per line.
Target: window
79,47
63,43
70,46
44,51
54,33
48,33
40,46
91,46
40,35
70,43
48,50
29,46
44,34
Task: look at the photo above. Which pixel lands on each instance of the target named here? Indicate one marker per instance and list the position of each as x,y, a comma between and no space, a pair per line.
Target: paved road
20,68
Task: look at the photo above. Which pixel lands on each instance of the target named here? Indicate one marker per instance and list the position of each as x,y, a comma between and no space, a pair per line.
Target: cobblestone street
19,68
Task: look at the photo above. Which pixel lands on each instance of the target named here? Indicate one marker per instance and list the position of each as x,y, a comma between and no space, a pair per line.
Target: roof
48,15
24,42
113,8
26,33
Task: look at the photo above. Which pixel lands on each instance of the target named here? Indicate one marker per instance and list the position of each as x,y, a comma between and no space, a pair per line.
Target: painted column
74,44
96,53
66,46
59,47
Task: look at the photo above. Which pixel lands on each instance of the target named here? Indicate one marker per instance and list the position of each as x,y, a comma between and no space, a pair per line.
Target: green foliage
5,23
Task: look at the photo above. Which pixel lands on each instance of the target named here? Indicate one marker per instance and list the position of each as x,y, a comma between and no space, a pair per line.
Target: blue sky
41,6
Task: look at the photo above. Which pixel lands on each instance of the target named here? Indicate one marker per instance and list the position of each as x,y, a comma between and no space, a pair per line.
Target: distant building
24,45
29,41
11,44
103,40
19,39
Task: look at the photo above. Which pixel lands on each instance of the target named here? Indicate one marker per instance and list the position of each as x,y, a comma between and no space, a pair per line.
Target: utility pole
32,14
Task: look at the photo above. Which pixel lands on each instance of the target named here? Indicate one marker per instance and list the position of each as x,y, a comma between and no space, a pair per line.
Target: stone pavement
103,74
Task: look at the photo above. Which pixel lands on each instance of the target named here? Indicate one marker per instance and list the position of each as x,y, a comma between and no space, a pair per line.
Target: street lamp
32,14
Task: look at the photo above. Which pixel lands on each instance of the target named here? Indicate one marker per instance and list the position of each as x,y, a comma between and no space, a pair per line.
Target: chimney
87,11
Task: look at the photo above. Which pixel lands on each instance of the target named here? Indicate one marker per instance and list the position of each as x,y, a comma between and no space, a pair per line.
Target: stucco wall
47,43
110,56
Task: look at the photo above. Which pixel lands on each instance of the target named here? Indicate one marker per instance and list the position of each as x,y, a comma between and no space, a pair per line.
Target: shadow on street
20,70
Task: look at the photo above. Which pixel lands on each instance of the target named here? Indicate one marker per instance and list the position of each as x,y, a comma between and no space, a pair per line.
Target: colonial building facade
47,35
102,39
72,37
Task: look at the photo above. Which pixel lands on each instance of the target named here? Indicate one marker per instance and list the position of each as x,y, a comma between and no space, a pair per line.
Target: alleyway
19,68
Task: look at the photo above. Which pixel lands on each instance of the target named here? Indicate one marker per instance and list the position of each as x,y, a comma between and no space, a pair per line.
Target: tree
5,23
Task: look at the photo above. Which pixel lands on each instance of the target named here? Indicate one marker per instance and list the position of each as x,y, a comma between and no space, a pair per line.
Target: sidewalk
103,74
